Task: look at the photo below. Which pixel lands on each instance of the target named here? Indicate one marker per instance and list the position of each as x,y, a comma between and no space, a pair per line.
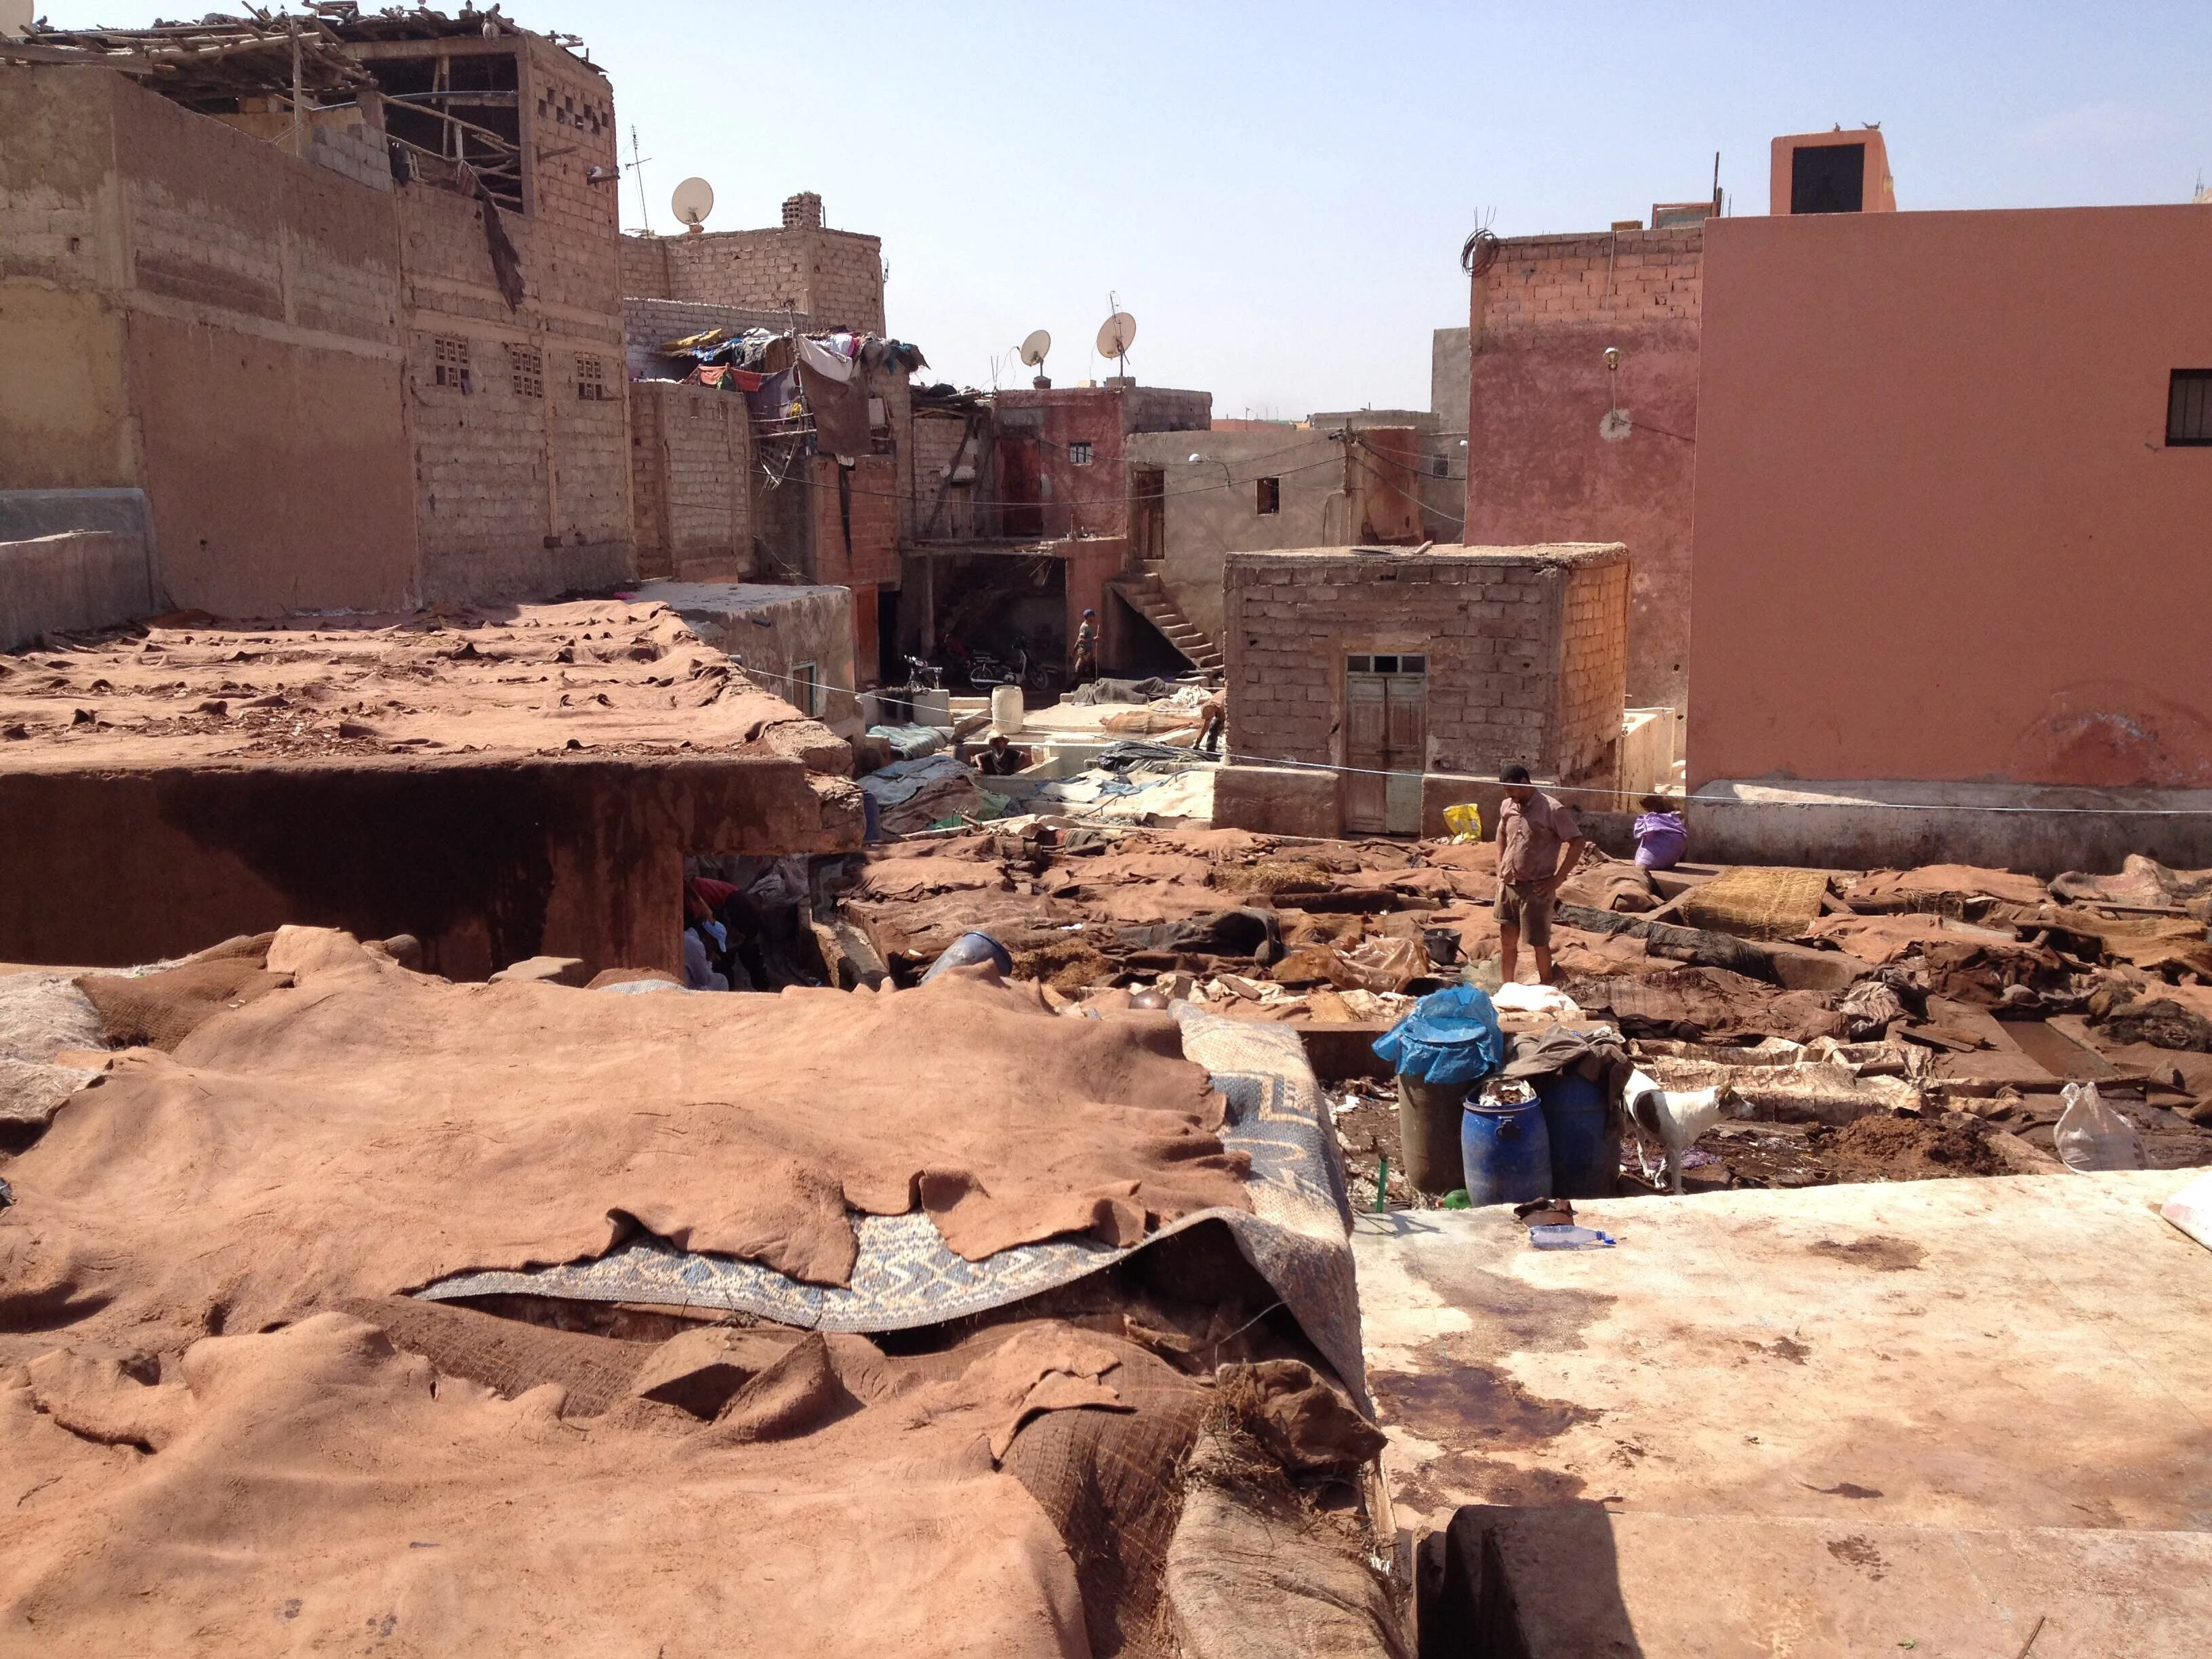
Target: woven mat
1296,1234
1757,903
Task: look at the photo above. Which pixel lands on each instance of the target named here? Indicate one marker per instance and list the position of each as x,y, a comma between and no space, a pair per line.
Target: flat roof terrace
500,783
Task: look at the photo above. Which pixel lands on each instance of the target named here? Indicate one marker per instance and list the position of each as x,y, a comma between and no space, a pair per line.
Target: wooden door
1366,753
1386,706
1408,703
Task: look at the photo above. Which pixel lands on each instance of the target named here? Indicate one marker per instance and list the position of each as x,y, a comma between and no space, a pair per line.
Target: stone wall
1524,648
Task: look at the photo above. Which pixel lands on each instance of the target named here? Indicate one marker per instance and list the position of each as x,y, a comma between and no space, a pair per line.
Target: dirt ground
1735,1156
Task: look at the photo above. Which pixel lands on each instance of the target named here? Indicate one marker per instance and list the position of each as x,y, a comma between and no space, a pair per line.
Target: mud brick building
1370,687
817,278
361,355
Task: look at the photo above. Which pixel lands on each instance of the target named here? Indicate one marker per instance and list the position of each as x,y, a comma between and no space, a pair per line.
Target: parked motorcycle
986,669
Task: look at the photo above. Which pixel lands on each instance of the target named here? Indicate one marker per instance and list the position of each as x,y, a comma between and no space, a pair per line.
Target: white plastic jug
1006,711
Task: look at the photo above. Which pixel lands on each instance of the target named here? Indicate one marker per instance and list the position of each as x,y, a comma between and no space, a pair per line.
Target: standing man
1532,828
1086,649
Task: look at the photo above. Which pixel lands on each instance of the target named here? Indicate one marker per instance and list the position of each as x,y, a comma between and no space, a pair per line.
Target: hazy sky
1278,192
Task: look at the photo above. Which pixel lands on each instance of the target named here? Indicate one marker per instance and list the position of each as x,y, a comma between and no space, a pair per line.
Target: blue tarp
1451,1036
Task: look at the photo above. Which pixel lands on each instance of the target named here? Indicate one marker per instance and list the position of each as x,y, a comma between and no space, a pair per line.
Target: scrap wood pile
244,1405
1967,998
213,63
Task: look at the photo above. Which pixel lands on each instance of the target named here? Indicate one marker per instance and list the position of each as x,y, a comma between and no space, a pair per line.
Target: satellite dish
1035,347
1614,426
693,201
1118,335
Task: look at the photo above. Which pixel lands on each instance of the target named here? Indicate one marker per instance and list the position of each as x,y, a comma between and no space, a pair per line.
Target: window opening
1827,179
806,679
526,368
452,358
457,110
591,379
1079,453
1270,497
2189,409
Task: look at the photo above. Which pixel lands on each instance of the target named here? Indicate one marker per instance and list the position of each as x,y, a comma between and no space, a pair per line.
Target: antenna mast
637,166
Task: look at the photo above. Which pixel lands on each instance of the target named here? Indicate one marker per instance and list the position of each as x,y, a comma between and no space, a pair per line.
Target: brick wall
938,436
649,475
1537,468
872,499
690,465
834,277
189,311
1648,276
1593,669
1517,644
524,478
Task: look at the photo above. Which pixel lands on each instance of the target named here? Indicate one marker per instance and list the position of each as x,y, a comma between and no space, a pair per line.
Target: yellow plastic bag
1465,823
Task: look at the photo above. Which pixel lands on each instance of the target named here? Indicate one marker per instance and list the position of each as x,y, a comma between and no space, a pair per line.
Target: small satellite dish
693,201
1035,347
1118,335
1614,425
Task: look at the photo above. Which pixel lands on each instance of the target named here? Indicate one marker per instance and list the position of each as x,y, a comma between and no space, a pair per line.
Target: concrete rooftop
1819,1421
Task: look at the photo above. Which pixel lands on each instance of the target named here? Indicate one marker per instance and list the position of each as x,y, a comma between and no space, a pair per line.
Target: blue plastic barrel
1506,1152
1585,1159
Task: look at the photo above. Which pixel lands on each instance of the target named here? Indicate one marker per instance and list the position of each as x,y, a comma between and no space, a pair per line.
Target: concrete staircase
1149,597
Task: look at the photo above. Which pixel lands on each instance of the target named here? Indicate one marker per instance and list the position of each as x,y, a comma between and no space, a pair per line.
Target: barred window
1079,453
525,369
591,379
452,360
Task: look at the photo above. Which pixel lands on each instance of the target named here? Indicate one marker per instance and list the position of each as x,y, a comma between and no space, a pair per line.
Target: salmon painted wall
1939,534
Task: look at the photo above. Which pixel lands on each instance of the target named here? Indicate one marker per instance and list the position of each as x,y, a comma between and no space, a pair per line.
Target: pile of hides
912,795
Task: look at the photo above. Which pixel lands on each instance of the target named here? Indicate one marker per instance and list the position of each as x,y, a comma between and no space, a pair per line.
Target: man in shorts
1532,829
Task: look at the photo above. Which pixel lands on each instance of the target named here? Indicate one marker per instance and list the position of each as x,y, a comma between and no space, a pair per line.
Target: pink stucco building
1954,477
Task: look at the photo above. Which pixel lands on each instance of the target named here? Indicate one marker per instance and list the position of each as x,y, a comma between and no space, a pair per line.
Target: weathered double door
1386,725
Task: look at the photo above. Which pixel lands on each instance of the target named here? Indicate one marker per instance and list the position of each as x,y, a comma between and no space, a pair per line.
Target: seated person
1661,836
1000,759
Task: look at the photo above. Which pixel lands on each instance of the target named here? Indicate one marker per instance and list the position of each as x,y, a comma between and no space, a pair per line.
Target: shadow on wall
1523,1584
